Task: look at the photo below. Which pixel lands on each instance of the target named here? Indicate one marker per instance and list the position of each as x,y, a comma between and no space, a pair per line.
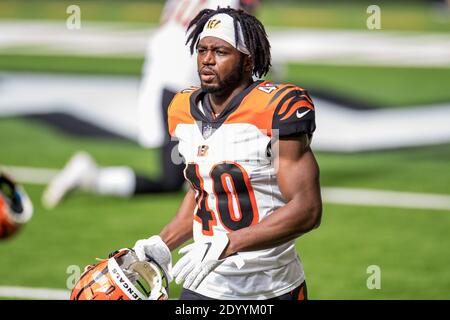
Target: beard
229,83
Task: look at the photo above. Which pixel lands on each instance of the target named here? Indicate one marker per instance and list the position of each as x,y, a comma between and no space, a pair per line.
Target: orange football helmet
122,277
16,208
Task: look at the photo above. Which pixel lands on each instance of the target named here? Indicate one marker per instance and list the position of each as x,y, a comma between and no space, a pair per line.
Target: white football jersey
229,163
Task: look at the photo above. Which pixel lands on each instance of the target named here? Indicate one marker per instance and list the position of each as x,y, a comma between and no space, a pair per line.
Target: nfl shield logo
207,130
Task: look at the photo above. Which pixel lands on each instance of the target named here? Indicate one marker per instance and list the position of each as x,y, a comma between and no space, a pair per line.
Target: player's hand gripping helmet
15,207
122,277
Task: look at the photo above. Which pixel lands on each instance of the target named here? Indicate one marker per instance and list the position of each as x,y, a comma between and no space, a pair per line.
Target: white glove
157,250
199,260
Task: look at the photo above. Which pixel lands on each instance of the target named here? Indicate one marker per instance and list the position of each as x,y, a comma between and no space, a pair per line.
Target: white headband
222,26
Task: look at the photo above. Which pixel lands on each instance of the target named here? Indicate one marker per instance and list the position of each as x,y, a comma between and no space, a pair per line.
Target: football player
168,68
254,180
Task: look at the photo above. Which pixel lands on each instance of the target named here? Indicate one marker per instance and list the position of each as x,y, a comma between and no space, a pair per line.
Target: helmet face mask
122,277
16,208
149,278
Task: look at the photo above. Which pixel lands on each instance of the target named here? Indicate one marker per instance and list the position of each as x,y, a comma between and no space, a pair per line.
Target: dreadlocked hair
255,36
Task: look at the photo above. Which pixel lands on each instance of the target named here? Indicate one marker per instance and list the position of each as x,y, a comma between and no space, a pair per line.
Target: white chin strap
222,26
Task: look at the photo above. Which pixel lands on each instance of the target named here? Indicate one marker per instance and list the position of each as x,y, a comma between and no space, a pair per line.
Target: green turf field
408,245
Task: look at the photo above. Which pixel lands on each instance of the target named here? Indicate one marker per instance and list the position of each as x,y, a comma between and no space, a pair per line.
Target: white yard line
352,196
34,293
30,175
288,44
380,198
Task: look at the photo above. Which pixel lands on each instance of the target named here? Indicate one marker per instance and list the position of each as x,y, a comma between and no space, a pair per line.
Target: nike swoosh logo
301,115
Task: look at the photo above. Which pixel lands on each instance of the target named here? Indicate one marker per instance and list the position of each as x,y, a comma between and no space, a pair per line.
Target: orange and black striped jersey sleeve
179,110
294,112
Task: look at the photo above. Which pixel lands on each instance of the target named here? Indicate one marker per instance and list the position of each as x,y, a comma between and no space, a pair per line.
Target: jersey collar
200,95
204,120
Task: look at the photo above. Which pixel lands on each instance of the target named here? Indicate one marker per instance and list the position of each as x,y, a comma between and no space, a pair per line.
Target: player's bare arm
179,230
298,180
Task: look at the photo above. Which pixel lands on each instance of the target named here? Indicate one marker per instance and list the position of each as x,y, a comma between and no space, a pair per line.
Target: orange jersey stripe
301,294
179,111
258,106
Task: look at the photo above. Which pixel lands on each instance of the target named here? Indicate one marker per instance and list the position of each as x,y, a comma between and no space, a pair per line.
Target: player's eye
201,51
220,52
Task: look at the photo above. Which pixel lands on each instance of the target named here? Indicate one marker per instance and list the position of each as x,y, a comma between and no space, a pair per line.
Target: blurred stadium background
383,105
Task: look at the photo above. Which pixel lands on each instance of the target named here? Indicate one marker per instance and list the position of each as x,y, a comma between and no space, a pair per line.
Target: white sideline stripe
34,293
288,44
353,196
380,198
30,175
